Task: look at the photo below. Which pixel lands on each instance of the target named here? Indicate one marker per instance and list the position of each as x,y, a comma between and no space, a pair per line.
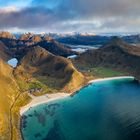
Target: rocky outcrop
7,35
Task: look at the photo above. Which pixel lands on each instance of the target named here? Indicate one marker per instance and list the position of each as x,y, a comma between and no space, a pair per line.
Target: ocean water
107,110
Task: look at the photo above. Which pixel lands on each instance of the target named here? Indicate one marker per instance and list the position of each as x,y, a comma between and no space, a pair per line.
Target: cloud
90,8
31,17
25,18
74,15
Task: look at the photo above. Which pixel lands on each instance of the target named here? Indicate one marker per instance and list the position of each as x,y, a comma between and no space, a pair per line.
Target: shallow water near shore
104,110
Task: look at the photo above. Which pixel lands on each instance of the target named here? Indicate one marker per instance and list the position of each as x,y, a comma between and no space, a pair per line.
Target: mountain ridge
117,55
38,62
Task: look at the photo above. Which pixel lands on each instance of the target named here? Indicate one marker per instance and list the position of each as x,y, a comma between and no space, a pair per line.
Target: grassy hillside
115,55
41,69
9,91
93,72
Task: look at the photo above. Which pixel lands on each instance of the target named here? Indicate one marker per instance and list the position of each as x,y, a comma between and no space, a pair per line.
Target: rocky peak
7,35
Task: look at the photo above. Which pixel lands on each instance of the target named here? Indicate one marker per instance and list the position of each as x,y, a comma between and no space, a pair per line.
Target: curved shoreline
51,97
111,78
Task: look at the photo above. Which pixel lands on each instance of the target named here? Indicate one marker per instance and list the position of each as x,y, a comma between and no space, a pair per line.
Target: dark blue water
108,110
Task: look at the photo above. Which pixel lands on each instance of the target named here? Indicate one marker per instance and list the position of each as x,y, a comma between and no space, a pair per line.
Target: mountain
51,45
80,39
55,47
43,65
133,39
7,35
29,37
36,38
4,51
8,39
25,37
91,39
47,38
116,54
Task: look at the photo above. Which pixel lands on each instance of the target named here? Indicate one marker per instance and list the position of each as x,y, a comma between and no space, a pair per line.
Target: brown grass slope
44,66
8,91
11,99
117,55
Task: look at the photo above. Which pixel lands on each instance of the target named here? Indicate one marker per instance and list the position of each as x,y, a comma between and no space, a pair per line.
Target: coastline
111,78
41,100
51,97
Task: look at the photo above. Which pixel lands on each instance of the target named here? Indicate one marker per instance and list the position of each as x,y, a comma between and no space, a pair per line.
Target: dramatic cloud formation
71,15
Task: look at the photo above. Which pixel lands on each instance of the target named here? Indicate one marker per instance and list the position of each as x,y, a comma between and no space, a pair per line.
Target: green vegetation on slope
92,72
104,72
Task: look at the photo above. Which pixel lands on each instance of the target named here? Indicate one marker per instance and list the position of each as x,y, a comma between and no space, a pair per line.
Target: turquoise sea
105,110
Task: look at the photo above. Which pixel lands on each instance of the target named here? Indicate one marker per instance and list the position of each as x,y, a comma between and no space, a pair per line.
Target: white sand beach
41,100
51,97
111,78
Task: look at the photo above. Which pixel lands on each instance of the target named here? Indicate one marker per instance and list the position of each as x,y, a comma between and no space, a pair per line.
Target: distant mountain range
19,47
92,39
